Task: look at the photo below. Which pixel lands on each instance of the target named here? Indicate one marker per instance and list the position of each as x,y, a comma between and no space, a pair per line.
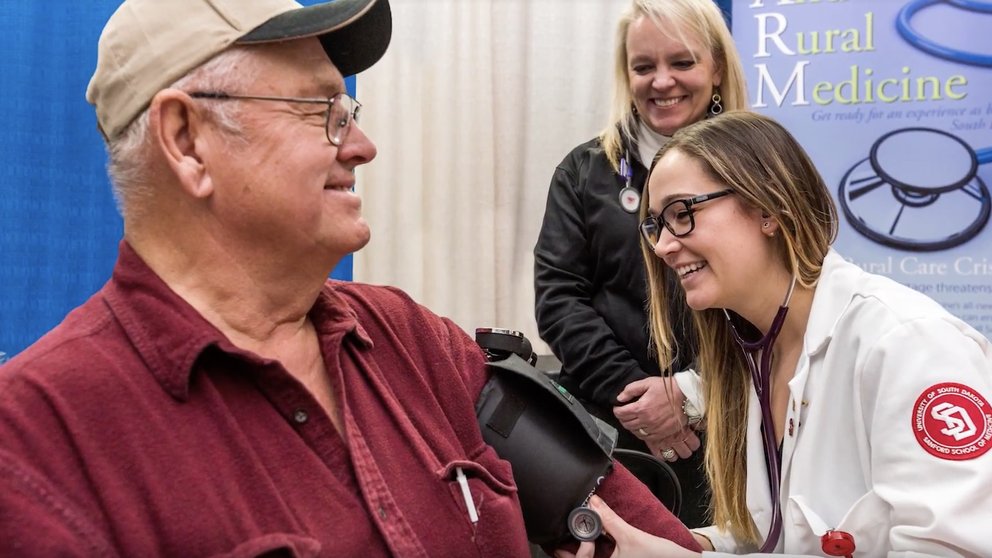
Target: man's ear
177,130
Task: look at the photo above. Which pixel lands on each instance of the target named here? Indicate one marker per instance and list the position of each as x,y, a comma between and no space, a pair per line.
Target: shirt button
300,416
382,512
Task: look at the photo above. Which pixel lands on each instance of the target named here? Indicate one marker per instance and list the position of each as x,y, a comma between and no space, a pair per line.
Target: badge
953,421
630,199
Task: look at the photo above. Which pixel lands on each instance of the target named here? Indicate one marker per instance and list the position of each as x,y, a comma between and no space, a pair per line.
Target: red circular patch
953,421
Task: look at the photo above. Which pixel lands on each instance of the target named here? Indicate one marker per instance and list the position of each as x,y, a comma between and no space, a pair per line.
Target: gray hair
129,155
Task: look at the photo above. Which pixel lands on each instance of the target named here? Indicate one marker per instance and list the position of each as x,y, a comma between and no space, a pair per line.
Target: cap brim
354,33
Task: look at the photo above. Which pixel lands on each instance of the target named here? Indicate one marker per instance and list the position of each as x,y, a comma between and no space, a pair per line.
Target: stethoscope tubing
913,37
761,381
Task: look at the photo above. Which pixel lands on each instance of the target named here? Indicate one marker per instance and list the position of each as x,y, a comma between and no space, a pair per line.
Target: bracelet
692,415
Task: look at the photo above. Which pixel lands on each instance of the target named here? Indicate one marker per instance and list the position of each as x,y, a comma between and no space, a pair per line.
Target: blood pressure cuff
559,452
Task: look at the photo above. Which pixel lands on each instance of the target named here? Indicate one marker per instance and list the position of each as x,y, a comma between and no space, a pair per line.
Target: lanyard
761,379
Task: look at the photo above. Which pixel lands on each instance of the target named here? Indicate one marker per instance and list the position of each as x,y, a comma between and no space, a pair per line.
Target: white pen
469,503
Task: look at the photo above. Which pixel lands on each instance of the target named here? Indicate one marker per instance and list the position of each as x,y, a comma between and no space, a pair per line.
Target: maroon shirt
136,428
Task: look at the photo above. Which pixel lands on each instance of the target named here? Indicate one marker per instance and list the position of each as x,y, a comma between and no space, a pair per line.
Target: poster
893,101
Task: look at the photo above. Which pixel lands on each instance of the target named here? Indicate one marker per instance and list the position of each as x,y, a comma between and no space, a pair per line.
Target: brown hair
767,169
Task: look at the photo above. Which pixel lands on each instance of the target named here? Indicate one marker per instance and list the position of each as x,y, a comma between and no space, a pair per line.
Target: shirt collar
170,335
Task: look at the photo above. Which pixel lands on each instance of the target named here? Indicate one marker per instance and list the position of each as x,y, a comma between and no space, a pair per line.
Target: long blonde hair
700,19
767,169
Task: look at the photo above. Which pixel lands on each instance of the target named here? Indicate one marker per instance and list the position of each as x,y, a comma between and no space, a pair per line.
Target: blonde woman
675,64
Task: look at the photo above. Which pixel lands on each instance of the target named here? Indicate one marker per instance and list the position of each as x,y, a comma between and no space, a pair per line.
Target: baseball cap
148,44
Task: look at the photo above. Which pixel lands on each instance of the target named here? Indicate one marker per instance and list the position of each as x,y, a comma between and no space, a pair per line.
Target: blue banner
893,101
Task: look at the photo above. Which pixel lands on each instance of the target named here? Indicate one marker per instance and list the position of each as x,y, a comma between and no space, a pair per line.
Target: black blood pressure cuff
559,452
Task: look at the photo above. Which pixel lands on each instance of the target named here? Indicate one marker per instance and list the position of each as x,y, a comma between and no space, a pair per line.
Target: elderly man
219,396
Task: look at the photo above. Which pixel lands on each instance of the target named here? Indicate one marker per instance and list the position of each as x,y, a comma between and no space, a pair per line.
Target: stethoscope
630,198
832,542
760,379
913,212
903,25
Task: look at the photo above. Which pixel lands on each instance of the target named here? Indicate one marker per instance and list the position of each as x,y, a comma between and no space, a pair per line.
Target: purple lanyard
761,378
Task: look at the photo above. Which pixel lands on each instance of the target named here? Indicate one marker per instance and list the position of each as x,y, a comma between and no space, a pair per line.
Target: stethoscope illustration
832,542
913,37
914,178
918,189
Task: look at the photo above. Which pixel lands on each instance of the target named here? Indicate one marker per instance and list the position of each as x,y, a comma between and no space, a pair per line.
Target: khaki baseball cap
148,44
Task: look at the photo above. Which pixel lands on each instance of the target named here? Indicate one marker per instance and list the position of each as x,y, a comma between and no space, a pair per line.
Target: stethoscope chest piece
585,524
903,193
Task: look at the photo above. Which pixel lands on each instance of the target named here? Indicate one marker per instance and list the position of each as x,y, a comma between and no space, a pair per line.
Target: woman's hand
630,541
684,443
655,416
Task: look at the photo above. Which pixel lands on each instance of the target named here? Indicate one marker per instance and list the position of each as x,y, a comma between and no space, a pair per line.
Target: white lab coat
850,458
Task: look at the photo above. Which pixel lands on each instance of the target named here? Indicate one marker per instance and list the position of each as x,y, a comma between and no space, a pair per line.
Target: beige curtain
472,107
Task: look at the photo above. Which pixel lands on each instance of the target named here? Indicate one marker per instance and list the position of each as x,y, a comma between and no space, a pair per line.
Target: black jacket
589,279
591,295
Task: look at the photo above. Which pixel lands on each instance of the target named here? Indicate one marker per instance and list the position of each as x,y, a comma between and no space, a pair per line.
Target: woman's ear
769,226
177,126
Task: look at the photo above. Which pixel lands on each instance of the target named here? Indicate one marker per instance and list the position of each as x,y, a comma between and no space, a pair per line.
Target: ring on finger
668,454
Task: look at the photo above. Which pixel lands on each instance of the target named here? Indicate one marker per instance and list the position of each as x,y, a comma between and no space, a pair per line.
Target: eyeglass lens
342,111
676,216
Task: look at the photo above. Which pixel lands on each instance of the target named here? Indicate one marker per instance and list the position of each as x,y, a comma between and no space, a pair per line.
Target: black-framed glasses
677,217
342,109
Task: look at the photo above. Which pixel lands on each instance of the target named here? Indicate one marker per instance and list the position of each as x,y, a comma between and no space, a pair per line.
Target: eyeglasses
677,217
342,109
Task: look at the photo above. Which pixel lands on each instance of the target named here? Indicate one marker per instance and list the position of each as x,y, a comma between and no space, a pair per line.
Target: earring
764,225
715,106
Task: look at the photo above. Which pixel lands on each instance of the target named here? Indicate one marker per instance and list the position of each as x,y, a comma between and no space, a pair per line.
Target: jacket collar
837,284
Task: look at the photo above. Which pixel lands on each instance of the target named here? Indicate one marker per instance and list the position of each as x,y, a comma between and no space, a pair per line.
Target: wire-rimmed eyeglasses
677,217
342,109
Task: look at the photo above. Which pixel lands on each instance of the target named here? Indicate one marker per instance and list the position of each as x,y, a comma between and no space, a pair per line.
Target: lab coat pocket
275,545
482,488
866,521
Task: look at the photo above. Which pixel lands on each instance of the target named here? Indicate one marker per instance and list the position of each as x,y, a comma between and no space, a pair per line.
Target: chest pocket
488,487
865,520
275,545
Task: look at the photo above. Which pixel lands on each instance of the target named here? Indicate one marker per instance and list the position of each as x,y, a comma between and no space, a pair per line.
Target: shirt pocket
275,545
866,521
498,519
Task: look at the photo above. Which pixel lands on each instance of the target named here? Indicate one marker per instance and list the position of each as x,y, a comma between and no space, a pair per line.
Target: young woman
847,414
675,64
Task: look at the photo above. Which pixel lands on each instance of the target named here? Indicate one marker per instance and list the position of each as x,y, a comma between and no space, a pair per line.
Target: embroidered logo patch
953,421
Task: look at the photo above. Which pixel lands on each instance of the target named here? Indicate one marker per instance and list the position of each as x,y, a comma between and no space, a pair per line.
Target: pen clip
473,515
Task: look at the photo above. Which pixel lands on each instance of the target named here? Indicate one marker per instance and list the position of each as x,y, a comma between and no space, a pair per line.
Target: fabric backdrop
472,107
